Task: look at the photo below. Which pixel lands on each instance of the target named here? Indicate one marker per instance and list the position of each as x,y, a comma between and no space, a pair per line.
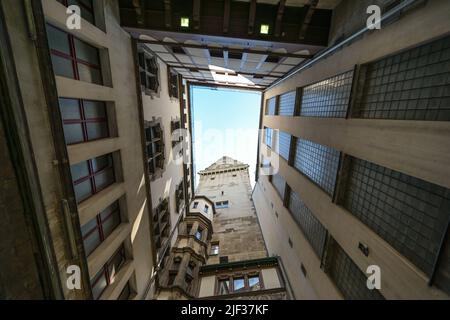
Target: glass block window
279,184
105,277
271,105
155,147
92,176
408,213
73,58
98,229
319,163
284,145
412,85
83,120
268,135
148,71
329,98
313,230
287,104
86,7
346,275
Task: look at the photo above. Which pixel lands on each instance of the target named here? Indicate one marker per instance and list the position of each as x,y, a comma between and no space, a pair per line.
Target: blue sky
226,122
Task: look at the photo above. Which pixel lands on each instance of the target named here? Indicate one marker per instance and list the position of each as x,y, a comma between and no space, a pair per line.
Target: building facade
97,195
361,177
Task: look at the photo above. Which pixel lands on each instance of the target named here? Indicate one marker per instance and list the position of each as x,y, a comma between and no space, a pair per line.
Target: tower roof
225,163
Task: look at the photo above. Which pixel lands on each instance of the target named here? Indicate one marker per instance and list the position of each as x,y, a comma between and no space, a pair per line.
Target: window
148,71
223,259
155,148
179,196
284,145
86,7
271,106
98,229
177,135
268,133
287,104
173,83
254,283
106,275
73,58
239,283
279,184
222,204
206,209
214,249
199,234
91,176
195,205
188,229
126,293
224,286
83,120
161,223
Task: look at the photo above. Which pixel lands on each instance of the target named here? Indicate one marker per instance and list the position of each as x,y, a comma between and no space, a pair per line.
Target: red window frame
73,55
104,271
92,174
83,121
89,7
100,222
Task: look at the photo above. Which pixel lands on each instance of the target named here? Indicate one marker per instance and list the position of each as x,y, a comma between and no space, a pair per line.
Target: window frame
100,225
83,121
239,275
72,57
173,83
92,174
156,157
148,65
104,271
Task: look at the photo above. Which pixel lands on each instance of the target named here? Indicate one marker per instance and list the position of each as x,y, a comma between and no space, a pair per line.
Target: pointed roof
225,163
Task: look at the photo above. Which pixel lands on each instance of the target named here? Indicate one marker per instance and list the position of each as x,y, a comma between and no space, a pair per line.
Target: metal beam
226,16
307,19
279,20
251,17
232,72
245,50
168,13
196,14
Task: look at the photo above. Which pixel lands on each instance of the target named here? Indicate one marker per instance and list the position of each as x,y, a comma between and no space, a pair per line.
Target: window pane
86,52
115,264
62,67
88,227
104,179
99,284
239,284
79,170
125,294
110,224
58,40
70,109
94,109
100,163
97,130
253,283
224,287
89,74
92,242
73,133
83,190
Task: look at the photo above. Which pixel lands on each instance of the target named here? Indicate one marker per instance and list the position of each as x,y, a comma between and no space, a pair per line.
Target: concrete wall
399,145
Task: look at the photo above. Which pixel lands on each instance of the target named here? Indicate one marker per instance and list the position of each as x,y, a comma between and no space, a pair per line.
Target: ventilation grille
329,98
319,163
413,85
409,213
